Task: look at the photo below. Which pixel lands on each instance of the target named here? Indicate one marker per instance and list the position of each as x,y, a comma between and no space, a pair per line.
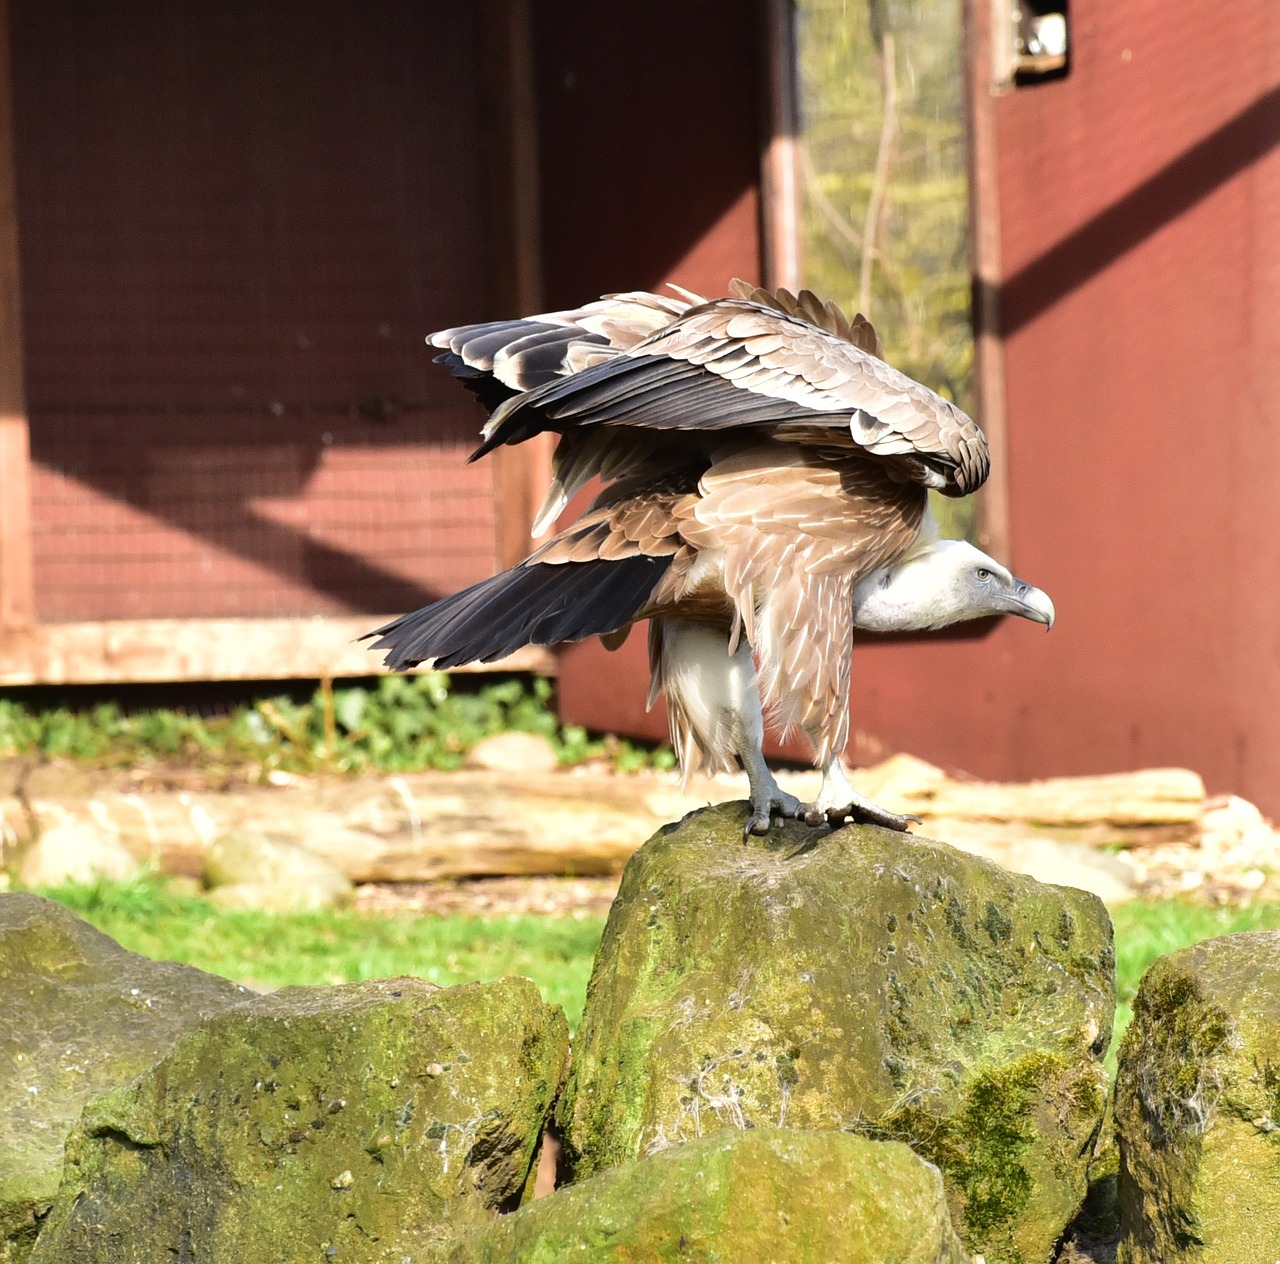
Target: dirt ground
490,897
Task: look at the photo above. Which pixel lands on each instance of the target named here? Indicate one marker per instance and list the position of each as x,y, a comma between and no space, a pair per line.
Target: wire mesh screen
238,223
226,528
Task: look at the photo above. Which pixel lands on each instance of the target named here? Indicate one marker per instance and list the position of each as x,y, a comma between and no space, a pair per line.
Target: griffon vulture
765,493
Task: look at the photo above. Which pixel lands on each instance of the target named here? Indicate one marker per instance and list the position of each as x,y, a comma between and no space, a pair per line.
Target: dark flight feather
483,385
531,604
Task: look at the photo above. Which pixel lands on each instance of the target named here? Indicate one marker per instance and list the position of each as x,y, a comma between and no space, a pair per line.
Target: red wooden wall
1140,214
237,222
1139,202
649,127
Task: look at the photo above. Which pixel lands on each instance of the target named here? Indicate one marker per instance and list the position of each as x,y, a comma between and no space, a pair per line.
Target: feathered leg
809,690
714,708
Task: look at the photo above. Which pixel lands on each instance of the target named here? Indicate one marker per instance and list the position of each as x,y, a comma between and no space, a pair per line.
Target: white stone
1232,826
248,870
513,753
76,852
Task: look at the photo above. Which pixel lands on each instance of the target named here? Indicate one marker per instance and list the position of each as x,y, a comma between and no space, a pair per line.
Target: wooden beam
780,192
521,474
17,576
514,203
133,651
981,91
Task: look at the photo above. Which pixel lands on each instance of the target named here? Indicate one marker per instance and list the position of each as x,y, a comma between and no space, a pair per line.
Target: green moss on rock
78,1016
866,980
1198,1106
777,1195
358,1123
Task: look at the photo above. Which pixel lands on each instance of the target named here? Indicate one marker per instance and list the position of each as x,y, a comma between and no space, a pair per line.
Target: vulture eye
983,574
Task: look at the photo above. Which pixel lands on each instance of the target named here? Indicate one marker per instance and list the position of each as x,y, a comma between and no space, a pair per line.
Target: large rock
365,1123
864,980
78,1016
1198,1107
777,1195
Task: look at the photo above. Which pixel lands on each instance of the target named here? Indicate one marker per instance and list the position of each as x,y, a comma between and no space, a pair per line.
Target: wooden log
412,828
131,650
1152,805
428,826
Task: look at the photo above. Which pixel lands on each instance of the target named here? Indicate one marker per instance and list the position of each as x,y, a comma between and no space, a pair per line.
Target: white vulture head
766,479
944,582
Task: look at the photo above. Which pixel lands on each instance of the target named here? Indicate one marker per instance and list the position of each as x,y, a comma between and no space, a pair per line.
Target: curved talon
757,823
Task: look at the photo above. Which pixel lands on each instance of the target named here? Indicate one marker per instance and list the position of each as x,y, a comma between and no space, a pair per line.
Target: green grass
270,950
1147,930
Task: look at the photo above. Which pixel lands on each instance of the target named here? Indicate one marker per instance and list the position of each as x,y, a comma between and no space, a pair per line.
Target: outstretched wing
737,362
499,360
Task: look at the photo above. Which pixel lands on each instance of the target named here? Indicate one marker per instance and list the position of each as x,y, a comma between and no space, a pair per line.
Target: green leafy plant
395,724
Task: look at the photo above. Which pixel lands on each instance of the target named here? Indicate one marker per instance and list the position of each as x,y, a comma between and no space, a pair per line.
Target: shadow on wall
1195,174
238,224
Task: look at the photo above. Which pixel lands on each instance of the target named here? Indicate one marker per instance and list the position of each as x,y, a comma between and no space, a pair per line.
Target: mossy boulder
360,1123
1198,1107
781,1195
863,980
79,1016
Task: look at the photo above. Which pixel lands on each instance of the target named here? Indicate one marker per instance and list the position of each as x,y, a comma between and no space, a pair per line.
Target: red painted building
225,227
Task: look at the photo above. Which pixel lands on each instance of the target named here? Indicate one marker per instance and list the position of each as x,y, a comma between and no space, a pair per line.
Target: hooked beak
1031,603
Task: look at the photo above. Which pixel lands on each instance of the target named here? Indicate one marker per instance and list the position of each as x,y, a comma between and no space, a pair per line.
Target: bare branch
884,154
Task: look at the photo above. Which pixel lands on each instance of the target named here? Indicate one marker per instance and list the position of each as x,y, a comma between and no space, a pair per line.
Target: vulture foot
774,802
861,812
838,802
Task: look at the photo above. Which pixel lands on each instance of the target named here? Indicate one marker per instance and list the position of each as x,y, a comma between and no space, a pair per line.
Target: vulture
765,478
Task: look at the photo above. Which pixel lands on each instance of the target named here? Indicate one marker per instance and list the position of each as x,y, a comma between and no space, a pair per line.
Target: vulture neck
926,588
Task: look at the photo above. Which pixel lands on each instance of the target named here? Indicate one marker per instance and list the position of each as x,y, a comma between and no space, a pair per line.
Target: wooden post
17,579
521,474
985,269
780,200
